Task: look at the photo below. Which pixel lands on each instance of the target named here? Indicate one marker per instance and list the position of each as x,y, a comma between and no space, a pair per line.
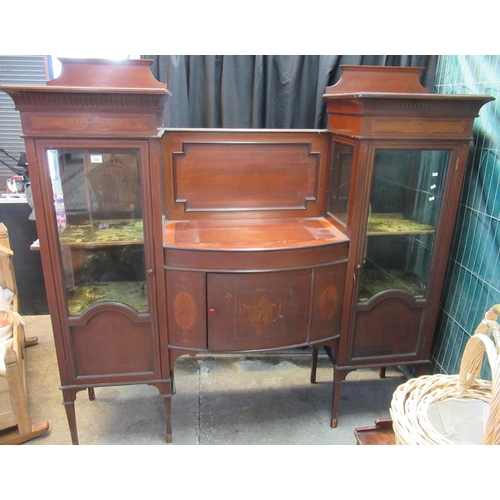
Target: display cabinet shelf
395,224
101,233
374,281
133,294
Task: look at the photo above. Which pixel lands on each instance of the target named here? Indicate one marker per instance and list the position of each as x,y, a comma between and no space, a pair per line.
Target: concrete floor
220,400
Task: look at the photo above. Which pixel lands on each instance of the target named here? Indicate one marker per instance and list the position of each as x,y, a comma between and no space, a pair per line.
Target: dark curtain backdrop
260,91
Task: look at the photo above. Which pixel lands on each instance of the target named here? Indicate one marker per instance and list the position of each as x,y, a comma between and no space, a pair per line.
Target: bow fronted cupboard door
398,160
93,152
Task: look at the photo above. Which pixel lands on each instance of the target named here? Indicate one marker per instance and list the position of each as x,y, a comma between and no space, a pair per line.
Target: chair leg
29,341
19,399
14,437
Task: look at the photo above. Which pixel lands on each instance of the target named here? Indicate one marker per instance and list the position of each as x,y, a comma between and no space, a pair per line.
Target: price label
95,158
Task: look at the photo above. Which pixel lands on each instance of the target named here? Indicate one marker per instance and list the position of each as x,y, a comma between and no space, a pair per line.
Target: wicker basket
411,401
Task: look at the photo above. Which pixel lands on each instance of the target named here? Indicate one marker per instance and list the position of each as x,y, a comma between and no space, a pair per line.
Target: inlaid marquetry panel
328,299
413,126
186,309
100,125
257,310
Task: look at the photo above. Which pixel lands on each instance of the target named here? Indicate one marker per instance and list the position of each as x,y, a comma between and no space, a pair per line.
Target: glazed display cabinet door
98,207
394,266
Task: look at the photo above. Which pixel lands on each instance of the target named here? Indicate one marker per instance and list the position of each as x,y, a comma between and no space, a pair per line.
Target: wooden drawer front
257,310
186,309
329,282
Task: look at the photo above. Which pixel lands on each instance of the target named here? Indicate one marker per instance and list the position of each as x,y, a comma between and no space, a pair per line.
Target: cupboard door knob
150,272
211,311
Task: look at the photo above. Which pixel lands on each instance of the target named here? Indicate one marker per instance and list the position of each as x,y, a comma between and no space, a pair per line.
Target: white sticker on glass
95,158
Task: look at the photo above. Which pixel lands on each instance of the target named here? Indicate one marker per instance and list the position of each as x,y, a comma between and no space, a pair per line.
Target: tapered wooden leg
91,393
329,352
69,406
382,372
173,382
314,359
338,379
314,363
165,389
337,387
167,402
422,369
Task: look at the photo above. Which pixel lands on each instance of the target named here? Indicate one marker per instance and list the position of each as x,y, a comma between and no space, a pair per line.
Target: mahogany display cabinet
158,243
399,155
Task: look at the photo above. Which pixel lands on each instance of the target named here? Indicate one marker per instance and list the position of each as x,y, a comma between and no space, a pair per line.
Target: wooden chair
15,421
115,186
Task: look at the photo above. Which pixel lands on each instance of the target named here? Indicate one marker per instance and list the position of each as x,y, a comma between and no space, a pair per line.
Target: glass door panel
340,181
98,206
404,208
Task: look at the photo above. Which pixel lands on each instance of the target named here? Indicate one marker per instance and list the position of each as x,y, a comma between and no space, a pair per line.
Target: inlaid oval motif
184,310
328,303
260,314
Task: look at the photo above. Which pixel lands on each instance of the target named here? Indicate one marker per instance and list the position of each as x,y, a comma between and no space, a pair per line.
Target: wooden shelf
100,233
132,294
374,281
395,224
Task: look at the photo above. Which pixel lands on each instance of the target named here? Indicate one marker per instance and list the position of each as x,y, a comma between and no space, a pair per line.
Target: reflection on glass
404,209
98,211
340,181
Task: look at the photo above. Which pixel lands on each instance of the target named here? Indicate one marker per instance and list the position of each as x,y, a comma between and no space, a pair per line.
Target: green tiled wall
473,277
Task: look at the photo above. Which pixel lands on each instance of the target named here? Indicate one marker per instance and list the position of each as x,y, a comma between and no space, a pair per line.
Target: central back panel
244,173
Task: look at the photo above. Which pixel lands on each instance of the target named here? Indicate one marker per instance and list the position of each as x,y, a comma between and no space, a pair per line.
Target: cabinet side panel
328,298
112,344
390,328
186,309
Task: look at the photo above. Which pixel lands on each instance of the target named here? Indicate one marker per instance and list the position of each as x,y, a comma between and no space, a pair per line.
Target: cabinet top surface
251,234
408,95
388,82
